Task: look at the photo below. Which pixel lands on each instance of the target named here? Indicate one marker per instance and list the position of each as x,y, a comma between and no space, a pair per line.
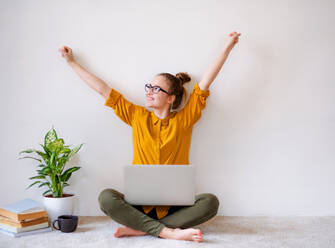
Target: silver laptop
159,184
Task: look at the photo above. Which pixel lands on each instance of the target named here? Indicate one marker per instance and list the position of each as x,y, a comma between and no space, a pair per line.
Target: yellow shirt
159,141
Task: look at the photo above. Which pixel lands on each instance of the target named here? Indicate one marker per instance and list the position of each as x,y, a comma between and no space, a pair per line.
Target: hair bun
183,77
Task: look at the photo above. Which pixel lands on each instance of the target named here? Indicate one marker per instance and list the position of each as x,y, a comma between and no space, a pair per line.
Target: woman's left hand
232,40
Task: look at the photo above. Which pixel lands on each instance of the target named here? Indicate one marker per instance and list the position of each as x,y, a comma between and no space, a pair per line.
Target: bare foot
127,231
191,234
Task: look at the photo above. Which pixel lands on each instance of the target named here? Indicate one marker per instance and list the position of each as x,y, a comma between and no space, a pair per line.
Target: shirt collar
164,121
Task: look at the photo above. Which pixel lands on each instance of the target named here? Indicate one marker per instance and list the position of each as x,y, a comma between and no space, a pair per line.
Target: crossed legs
137,223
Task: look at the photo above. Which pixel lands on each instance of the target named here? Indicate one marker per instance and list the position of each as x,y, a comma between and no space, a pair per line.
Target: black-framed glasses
155,89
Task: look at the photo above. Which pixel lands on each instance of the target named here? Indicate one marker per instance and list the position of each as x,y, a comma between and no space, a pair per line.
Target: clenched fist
66,53
232,40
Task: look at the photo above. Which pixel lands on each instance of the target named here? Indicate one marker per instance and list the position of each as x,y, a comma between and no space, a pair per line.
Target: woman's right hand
66,53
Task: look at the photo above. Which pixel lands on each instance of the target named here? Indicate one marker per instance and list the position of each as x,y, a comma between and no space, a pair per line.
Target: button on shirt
159,141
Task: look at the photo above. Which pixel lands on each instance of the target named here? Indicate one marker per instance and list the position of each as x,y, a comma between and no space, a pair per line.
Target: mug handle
53,224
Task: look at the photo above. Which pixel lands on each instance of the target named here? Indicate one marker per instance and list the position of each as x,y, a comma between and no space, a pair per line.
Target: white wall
265,142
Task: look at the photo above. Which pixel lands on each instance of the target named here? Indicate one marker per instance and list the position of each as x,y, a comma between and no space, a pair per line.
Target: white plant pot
56,206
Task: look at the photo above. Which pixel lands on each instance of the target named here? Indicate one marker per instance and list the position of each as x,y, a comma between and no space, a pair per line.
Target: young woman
161,136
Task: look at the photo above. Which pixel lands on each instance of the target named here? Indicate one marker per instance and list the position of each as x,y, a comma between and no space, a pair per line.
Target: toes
198,239
117,232
197,236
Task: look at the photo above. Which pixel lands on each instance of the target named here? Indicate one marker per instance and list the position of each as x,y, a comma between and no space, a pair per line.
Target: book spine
21,217
32,215
9,214
23,229
42,230
10,222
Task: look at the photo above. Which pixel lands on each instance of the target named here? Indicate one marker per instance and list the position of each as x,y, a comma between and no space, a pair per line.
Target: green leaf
46,149
50,137
65,150
42,184
52,159
43,155
66,177
46,192
72,169
56,145
67,174
31,158
46,171
27,151
37,177
33,184
75,150
61,164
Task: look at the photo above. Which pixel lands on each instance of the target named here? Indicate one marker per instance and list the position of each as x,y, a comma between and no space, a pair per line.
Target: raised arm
214,69
93,81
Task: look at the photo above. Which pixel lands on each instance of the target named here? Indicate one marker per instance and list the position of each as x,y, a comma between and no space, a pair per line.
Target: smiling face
160,100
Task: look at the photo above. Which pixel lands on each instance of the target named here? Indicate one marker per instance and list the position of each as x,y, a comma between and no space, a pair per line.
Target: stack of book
23,218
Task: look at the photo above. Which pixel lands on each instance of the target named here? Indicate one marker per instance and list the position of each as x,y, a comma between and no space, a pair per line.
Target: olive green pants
112,203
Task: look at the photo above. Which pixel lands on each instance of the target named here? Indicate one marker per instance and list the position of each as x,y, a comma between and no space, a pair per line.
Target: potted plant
51,173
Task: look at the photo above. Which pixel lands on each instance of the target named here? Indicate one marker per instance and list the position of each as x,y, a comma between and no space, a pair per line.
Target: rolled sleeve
123,108
112,99
191,113
202,94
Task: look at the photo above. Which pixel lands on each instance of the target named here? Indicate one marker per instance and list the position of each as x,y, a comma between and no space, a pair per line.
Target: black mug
66,223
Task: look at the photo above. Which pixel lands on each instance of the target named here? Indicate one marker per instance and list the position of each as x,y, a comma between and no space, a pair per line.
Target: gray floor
220,231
